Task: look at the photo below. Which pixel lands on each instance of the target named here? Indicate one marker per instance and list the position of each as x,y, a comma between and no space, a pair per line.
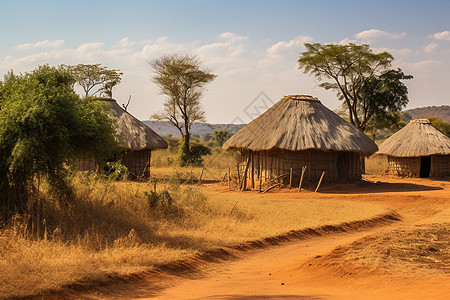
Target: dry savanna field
118,228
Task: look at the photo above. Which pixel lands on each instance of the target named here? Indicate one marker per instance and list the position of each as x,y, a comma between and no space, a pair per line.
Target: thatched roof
300,122
418,138
134,134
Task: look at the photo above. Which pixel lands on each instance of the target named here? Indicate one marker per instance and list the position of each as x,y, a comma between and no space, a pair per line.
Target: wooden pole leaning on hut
229,179
320,181
238,173
301,178
244,177
200,178
290,179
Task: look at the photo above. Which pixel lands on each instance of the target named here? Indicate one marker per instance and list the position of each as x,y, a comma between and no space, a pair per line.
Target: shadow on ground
271,297
367,187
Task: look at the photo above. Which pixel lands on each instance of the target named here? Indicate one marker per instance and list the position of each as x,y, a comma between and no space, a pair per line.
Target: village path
284,272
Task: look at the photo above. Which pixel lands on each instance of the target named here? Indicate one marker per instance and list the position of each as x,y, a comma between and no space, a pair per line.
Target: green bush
197,151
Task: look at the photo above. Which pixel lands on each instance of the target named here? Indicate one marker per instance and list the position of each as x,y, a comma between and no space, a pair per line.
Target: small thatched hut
300,131
137,138
418,150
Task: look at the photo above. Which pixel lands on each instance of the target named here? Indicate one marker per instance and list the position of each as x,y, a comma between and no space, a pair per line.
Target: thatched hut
135,137
418,150
300,131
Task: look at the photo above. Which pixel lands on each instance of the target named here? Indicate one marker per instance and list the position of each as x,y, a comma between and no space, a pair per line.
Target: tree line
44,123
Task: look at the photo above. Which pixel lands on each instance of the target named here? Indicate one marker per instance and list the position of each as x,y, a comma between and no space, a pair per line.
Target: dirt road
409,259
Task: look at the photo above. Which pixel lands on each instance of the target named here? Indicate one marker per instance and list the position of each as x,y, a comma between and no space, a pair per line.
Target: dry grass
111,228
376,164
165,166
417,249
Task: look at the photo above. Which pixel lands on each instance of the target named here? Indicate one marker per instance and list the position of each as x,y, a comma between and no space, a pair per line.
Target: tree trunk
187,149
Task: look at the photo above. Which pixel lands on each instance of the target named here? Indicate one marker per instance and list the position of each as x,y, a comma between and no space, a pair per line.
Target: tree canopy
362,79
43,125
441,125
95,79
182,79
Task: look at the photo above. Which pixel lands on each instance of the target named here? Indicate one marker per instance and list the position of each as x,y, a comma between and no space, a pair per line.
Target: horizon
252,46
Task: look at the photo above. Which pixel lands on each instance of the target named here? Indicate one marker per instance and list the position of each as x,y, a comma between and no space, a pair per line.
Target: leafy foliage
441,125
95,79
221,136
362,79
197,151
182,79
43,125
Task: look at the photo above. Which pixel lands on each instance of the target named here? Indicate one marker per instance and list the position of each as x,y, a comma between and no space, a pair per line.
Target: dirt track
408,259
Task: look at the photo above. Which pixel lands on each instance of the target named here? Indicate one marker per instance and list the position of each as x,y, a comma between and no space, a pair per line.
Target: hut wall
85,164
404,166
137,162
440,165
338,166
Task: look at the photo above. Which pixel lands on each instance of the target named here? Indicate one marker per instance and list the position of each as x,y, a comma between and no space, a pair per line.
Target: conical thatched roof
134,134
418,138
300,122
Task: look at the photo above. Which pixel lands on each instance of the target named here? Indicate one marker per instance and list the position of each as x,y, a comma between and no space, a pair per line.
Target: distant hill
441,112
164,129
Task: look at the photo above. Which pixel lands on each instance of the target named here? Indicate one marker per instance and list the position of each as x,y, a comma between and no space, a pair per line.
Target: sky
252,46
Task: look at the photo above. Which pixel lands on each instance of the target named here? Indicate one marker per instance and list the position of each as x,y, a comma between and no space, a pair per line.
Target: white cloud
294,44
89,47
347,41
373,34
444,35
430,47
41,44
232,37
394,51
125,42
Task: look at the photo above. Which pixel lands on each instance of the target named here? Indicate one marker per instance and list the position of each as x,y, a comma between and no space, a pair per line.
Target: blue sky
251,45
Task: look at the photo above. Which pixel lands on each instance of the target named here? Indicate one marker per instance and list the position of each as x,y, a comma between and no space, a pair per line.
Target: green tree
441,125
221,136
95,79
359,78
43,126
182,79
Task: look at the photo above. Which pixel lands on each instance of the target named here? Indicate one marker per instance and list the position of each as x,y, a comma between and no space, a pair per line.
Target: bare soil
404,255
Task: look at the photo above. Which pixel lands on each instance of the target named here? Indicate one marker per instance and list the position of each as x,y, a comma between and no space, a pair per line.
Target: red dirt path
404,260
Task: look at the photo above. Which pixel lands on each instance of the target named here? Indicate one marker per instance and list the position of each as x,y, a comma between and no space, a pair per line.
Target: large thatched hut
135,137
418,150
300,131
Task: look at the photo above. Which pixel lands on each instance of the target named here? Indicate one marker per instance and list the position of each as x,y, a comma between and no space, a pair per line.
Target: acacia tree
43,125
362,79
182,79
95,79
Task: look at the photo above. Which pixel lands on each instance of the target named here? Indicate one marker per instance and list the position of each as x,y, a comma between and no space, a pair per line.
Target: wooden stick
239,175
273,186
244,177
224,175
290,179
301,179
229,179
320,181
233,208
201,174
253,170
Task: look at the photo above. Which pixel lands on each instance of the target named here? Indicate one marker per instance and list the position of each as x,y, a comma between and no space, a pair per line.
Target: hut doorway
341,167
425,166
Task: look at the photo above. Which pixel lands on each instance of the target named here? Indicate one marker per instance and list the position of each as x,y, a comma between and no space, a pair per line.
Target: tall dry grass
165,166
125,227
376,164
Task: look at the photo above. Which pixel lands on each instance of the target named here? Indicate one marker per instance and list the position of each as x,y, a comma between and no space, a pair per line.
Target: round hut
135,137
300,131
418,150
